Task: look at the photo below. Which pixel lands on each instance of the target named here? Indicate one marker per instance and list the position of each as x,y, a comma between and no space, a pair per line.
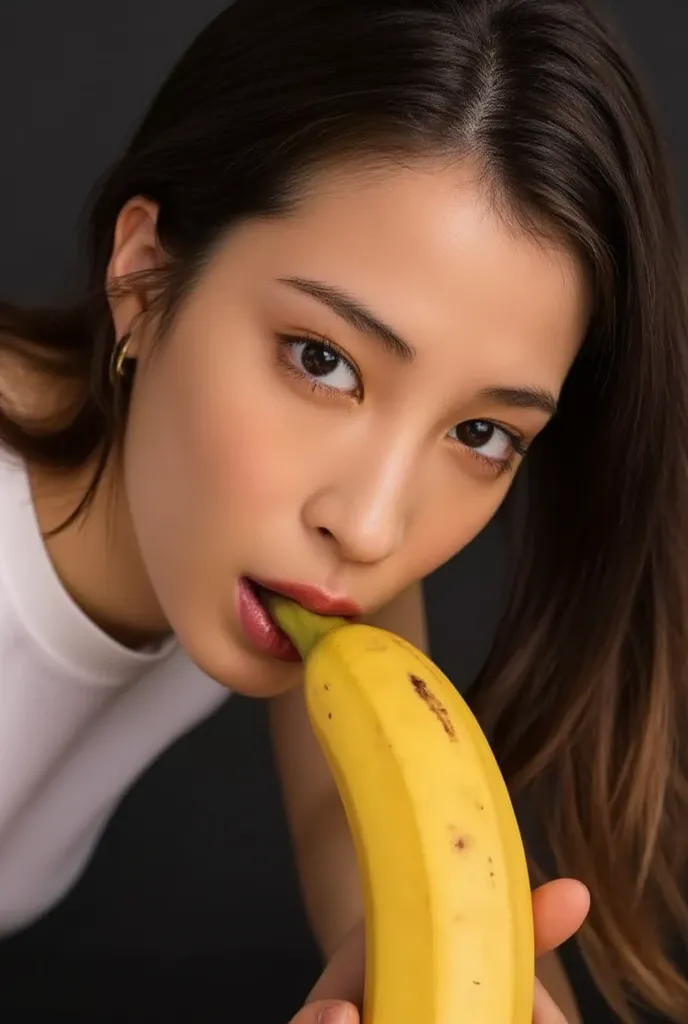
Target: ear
135,248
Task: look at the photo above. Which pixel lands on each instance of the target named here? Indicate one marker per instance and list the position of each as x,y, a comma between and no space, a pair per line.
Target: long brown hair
585,694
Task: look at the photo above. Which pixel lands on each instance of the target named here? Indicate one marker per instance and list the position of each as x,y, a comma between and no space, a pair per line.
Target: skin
236,462
276,479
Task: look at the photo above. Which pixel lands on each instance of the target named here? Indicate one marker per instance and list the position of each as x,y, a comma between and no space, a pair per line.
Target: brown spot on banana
438,709
462,842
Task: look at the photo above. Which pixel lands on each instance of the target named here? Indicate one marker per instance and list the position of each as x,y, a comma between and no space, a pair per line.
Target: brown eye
322,364
318,360
491,442
475,433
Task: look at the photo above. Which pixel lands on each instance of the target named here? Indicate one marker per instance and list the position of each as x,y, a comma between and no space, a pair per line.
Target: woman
357,261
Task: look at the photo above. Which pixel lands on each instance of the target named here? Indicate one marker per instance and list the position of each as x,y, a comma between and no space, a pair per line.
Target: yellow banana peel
448,911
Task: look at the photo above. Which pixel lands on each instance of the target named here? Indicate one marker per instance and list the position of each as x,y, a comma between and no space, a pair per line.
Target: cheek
210,465
195,454
244,444
448,521
164,479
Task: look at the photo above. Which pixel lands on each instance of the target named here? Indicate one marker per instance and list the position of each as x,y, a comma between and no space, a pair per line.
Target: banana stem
305,629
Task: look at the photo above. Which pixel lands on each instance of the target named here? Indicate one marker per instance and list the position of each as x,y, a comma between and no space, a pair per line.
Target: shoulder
29,392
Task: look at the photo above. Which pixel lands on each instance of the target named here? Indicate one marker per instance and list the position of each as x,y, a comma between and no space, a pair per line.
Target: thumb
325,1011
559,909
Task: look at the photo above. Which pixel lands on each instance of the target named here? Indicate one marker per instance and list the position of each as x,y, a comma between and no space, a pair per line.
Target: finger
559,909
343,977
325,1011
545,1010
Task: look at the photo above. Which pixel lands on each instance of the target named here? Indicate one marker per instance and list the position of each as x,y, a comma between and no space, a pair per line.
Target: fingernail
334,1014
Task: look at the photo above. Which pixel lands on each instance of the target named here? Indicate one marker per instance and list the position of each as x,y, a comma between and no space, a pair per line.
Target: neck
96,556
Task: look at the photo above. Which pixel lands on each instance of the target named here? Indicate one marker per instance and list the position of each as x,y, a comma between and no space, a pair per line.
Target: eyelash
500,466
287,341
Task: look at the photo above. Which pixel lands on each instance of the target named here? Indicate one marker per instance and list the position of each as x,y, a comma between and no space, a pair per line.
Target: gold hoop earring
118,358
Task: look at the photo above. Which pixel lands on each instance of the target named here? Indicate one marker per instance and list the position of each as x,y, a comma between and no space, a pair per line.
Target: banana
448,911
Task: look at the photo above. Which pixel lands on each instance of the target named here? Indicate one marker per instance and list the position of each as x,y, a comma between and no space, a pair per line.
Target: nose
365,507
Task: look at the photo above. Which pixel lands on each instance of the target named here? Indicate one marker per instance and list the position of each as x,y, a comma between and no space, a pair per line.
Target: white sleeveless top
80,716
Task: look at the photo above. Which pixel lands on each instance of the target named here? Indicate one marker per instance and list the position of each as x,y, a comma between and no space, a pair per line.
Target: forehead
426,247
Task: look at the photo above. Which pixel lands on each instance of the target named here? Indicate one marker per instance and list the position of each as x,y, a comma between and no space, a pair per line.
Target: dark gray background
191,894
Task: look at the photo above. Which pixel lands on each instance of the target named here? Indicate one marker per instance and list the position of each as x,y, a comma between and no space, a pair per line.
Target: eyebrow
361,319
355,314
522,398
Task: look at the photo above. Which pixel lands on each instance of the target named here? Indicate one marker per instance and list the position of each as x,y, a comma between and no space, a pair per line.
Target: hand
339,990
327,1011
559,909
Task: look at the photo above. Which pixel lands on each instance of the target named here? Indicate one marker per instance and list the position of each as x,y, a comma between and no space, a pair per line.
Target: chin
262,683
241,671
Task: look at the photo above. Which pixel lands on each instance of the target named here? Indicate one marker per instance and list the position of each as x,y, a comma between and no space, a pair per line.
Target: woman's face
341,403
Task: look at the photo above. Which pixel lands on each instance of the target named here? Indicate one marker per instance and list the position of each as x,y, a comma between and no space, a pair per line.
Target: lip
259,628
313,598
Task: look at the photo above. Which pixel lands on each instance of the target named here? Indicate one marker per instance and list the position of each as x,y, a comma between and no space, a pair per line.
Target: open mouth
262,595
258,625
